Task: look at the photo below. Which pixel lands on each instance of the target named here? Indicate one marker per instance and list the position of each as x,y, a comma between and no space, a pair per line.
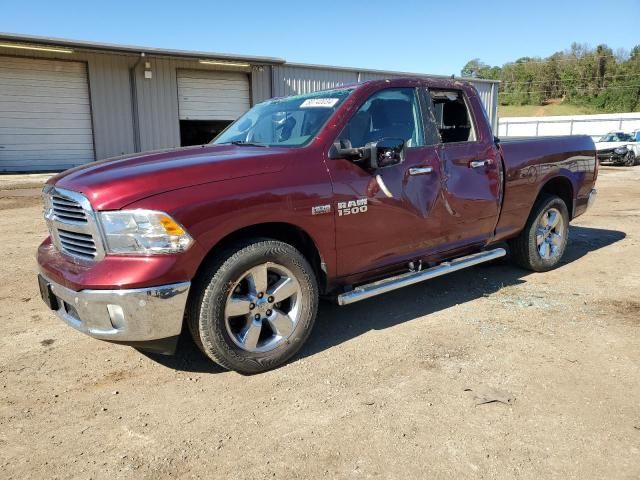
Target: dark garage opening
198,132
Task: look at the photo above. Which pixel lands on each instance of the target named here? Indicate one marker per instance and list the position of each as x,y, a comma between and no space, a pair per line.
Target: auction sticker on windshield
319,102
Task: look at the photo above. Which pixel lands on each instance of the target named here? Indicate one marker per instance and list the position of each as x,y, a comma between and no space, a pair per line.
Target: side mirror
385,152
342,149
374,155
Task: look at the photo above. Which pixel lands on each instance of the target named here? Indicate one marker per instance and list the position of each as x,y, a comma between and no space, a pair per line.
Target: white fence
593,125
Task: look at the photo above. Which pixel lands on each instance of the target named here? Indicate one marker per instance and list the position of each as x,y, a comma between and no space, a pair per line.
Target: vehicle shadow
335,325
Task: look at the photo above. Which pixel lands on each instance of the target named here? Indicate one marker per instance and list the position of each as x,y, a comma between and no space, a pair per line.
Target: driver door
389,215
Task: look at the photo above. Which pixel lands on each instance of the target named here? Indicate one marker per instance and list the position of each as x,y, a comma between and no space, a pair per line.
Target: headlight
621,150
142,231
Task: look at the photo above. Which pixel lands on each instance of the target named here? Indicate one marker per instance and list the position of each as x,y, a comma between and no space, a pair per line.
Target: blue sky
414,36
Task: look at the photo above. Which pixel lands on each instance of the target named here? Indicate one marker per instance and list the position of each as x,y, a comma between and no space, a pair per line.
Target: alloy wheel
549,234
263,308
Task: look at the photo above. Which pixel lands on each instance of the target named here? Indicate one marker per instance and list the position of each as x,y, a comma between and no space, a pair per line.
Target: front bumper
130,316
610,157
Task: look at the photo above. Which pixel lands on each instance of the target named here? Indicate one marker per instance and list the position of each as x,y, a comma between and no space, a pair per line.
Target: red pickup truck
346,193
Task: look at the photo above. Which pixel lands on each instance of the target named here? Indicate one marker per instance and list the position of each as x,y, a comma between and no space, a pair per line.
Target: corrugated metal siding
205,95
110,85
157,105
295,79
292,80
369,76
45,116
260,84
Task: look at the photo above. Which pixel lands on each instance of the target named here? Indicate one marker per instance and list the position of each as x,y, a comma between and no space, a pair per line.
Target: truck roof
432,82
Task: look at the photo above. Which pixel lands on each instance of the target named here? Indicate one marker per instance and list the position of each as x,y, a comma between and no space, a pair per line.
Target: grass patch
544,110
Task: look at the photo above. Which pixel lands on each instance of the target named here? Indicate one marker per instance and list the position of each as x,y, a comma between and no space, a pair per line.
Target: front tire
543,241
630,159
254,307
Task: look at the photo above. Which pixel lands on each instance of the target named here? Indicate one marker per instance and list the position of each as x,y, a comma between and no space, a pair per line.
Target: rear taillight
597,167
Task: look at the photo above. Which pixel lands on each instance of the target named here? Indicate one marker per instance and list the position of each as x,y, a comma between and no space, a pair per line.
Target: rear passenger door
470,168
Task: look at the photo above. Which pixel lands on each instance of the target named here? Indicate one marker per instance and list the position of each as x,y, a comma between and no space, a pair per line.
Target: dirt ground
394,387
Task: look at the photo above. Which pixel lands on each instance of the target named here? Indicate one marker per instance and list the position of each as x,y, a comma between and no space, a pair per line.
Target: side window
452,116
390,113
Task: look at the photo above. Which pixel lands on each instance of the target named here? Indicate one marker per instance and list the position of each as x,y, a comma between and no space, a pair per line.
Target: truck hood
609,145
114,183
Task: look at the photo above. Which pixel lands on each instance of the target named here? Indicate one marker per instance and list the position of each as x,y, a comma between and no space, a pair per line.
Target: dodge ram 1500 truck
346,193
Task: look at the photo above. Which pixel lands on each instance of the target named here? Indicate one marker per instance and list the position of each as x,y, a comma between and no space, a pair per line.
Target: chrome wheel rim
549,234
263,308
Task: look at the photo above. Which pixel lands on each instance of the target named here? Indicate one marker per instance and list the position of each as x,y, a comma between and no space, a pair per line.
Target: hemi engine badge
320,209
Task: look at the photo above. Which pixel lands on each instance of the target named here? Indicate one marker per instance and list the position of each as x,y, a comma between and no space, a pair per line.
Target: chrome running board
393,283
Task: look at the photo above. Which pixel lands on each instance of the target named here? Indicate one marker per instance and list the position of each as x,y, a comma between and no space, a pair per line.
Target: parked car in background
347,193
618,148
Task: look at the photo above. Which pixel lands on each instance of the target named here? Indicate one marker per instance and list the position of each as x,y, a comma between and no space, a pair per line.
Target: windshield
616,137
289,122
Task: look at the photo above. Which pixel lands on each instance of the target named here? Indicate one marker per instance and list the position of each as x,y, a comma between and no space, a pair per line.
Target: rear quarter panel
532,162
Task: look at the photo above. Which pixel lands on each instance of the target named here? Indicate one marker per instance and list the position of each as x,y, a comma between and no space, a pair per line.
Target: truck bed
531,162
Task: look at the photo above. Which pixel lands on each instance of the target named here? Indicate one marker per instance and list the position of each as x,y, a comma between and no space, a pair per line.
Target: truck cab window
391,113
452,116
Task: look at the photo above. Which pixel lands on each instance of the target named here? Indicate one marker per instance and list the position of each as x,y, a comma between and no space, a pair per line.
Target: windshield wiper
249,144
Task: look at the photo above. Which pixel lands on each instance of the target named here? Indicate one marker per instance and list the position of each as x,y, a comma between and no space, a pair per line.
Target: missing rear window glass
452,116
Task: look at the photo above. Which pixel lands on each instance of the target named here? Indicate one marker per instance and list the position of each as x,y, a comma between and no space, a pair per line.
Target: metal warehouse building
64,103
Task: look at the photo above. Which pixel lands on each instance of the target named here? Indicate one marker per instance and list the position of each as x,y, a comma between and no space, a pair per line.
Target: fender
214,211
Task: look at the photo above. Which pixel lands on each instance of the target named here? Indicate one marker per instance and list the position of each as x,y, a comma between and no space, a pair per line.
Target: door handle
480,163
420,170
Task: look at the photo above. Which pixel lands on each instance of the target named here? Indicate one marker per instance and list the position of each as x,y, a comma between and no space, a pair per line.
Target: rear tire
276,286
542,243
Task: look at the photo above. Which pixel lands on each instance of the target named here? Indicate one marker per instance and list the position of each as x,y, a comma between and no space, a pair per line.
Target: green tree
597,77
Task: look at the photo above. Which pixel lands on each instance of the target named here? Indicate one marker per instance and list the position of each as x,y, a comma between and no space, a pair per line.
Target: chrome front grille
80,244
68,210
72,224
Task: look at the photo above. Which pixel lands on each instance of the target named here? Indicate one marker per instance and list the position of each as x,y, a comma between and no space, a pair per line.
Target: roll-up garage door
208,95
45,116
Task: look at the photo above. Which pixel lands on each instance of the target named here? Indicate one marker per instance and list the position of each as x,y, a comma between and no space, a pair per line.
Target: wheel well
284,232
562,187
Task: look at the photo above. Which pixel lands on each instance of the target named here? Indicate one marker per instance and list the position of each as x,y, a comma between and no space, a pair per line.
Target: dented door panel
374,230
471,189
